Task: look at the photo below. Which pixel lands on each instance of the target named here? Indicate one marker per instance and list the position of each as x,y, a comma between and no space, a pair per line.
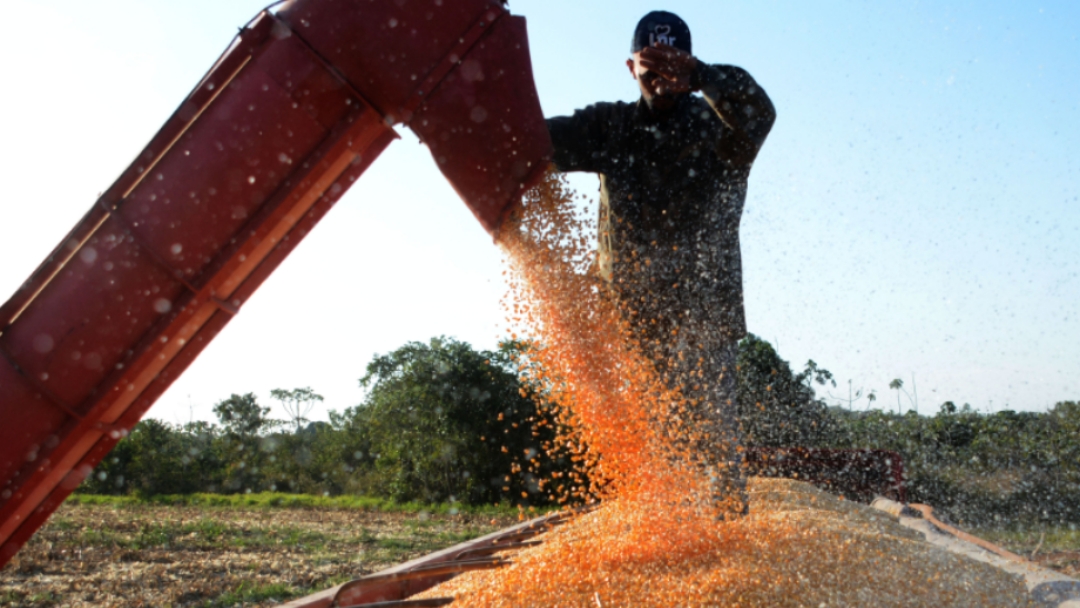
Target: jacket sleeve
741,104
582,140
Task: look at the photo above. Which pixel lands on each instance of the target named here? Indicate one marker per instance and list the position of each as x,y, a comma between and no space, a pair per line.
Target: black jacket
672,189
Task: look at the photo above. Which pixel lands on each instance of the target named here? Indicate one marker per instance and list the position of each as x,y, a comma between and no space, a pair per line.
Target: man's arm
738,100
581,140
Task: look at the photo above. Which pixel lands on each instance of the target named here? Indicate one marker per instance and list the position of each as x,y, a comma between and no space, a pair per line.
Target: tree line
444,422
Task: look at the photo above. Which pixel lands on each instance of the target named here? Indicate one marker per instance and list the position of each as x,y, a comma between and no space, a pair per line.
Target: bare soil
196,556
89,555
1053,547
1065,562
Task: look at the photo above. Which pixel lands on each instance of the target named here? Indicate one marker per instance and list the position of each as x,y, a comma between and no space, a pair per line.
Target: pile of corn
660,537
798,547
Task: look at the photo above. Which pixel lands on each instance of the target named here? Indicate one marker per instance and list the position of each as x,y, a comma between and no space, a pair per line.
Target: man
673,175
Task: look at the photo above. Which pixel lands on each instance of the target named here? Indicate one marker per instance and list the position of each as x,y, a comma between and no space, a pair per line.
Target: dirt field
198,556
142,555
1057,548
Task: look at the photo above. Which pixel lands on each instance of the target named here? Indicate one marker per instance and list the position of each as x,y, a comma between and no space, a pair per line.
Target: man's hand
673,66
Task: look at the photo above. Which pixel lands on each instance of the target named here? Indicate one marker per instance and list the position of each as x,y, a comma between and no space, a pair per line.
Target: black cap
661,27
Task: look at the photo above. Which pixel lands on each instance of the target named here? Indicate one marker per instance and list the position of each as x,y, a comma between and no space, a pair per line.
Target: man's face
655,89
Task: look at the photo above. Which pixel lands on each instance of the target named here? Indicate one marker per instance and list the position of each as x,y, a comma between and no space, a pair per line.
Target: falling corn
660,537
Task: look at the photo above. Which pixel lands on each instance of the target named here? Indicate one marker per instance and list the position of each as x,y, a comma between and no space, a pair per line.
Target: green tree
242,416
202,460
953,429
245,448
898,385
309,461
155,460
443,421
1063,433
777,408
297,403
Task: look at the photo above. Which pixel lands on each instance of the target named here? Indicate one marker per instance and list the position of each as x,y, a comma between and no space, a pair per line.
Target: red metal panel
480,124
111,433
238,54
242,171
457,72
385,49
222,171
28,429
202,220
85,320
355,593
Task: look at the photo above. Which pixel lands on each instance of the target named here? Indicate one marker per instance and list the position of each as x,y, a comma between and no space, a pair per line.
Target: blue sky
914,211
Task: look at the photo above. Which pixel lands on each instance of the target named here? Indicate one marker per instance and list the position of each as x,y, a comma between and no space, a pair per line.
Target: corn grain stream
657,538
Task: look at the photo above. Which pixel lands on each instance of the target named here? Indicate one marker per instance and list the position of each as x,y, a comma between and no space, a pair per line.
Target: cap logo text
661,35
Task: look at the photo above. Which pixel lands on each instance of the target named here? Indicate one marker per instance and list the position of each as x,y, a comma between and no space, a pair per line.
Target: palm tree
897,385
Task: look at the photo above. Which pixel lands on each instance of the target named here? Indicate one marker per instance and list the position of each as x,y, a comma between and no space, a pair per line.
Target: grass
13,597
205,533
251,593
1024,540
298,501
216,551
210,534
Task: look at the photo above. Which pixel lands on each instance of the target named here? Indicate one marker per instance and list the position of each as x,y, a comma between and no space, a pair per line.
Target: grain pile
798,547
660,537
